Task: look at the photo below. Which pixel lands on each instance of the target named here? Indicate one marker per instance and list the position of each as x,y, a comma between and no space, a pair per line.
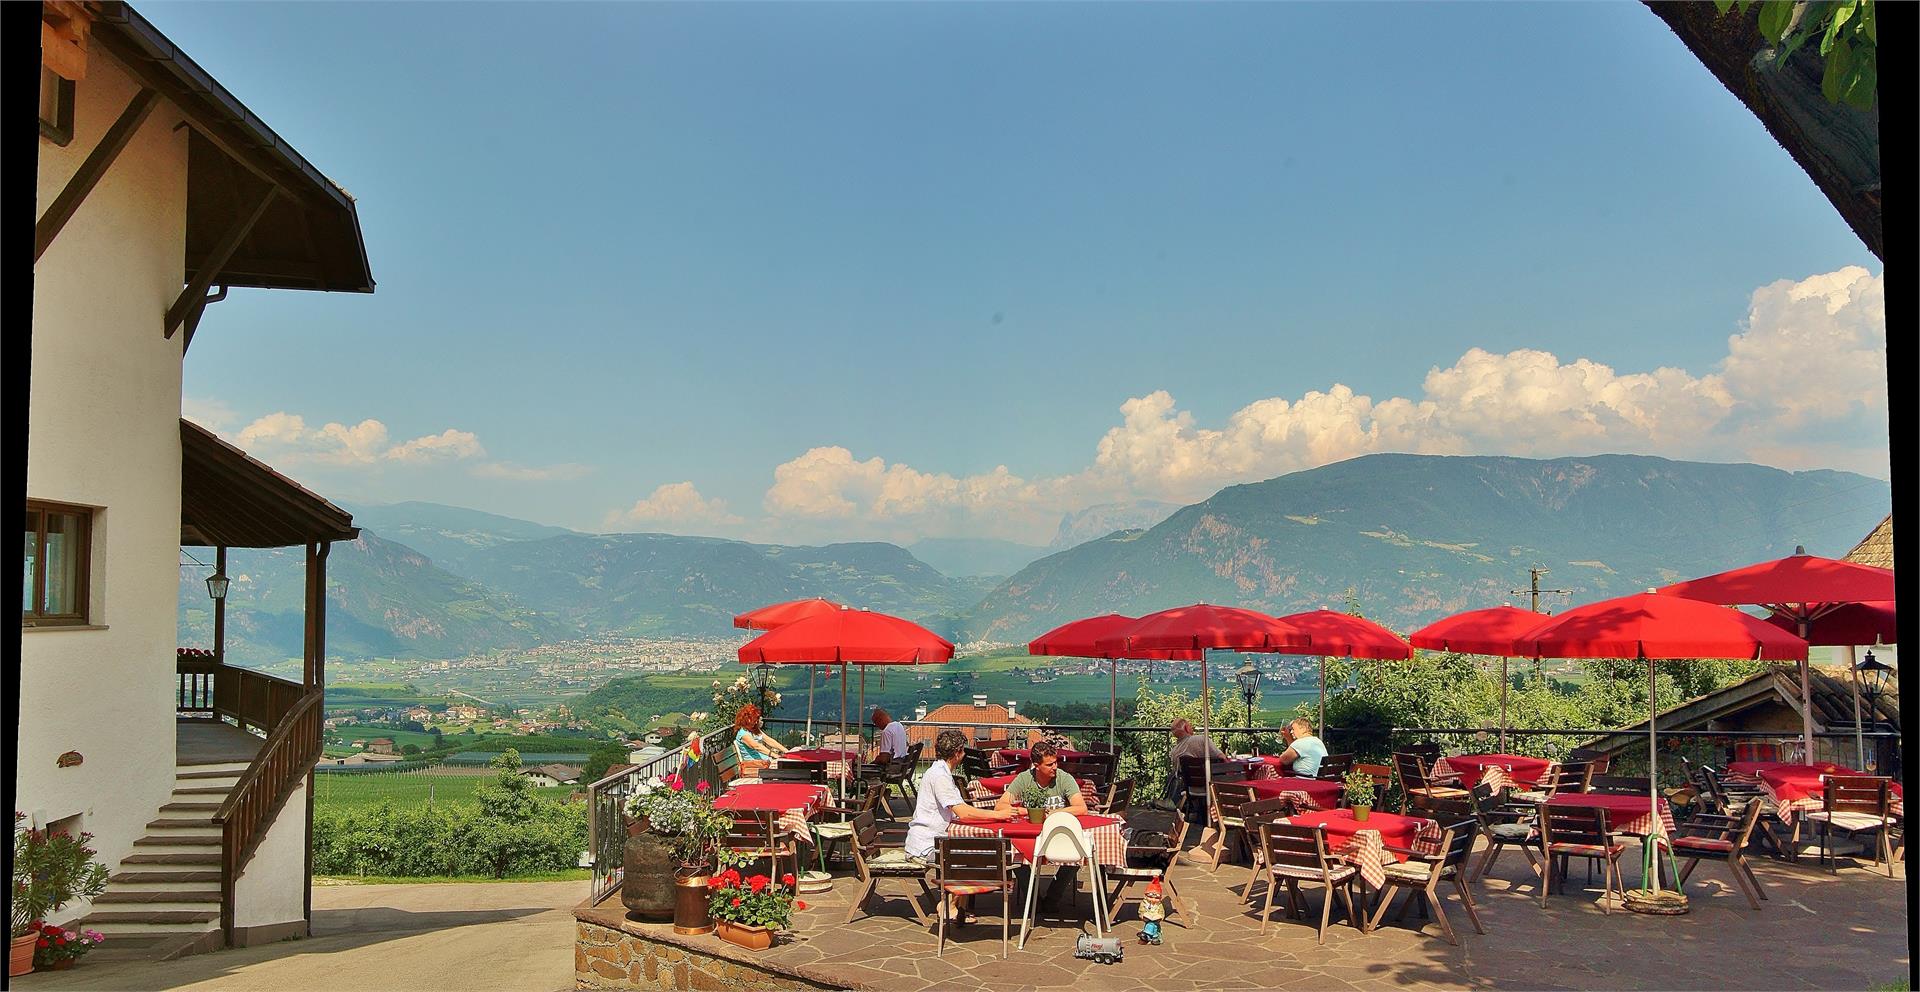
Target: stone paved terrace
1816,931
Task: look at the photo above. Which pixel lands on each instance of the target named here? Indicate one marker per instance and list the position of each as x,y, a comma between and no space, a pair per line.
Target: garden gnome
1153,909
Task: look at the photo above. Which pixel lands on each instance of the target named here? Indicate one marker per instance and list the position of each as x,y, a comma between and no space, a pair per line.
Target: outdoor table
795,802
992,786
1309,793
1796,789
1368,845
1023,756
1750,770
1109,840
837,761
1259,766
1625,814
1501,771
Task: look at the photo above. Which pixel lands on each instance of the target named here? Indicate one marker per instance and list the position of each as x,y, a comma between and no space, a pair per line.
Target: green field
400,738
336,789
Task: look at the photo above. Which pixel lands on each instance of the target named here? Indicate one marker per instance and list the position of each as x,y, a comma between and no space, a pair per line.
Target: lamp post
1875,676
1249,678
217,591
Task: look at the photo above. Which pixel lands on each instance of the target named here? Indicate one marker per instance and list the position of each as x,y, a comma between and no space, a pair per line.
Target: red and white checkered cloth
1792,797
1366,849
1109,842
1491,774
796,803
1625,814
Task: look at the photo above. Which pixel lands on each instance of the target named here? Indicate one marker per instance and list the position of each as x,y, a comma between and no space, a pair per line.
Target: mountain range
1413,536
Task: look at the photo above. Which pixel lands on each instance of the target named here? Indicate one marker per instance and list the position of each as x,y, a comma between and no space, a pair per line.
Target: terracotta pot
1360,813
690,896
20,962
62,965
646,888
1036,816
750,937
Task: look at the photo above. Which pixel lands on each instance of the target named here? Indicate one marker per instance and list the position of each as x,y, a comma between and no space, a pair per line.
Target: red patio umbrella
1490,631
1847,625
848,637
781,614
1651,626
1343,635
1204,627
1801,587
1075,639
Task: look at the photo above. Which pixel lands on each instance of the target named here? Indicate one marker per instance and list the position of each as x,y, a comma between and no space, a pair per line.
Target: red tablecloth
1518,769
1310,793
1625,814
796,802
1797,789
1023,756
838,762
1109,844
1366,845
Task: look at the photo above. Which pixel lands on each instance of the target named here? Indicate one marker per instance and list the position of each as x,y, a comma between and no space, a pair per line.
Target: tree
409,749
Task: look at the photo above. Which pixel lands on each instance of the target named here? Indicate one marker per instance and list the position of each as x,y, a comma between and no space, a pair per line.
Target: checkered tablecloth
1106,832
1307,794
796,802
993,786
1625,814
1497,770
1798,789
1365,848
838,762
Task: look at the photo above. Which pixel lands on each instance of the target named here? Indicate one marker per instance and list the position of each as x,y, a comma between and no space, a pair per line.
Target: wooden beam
220,608
88,175
314,675
200,310
216,259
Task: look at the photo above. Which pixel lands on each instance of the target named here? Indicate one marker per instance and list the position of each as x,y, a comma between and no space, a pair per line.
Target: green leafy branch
1849,40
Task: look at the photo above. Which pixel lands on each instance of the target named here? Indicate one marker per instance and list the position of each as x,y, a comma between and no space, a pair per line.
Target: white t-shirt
1307,752
933,810
893,739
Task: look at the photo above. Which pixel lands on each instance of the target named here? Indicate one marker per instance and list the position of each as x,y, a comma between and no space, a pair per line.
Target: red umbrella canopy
1791,585
1846,624
1490,631
1651,625
1201,627
781,614
847,636
1346,636
1075,639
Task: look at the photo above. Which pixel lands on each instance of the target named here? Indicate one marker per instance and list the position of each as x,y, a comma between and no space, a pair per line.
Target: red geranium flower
798,904
702,787
786,879
757,883
42,942
736,900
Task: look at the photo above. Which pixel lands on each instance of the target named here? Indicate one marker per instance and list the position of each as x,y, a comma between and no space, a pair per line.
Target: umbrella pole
813,673
1806,700
1320,722
1212,833
1113,697
861,724
842,744
1859,733
1503,704
1653,782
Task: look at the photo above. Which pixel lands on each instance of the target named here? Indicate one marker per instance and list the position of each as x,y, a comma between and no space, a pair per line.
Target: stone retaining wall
611,952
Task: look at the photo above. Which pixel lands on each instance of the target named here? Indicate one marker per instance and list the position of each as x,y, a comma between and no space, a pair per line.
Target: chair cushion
1439,792
1511,831
1714,844
833,829
1233,822
971,888
1335,872
1849,821
1409,871
1588,850
895,859
1531,797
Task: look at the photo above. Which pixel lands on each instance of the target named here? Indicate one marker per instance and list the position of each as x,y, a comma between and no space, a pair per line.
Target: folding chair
757,836
1505,825
1334,767
1228,797
1416,780
1151,854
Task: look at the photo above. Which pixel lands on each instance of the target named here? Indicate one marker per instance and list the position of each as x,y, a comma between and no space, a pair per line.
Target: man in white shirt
890,741
938,802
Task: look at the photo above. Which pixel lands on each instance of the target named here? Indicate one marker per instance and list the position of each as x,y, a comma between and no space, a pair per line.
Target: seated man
890,741
1059,791
938,802
1187,744
1304,750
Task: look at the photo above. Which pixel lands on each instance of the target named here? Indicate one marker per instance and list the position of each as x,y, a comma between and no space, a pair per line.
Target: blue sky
621,247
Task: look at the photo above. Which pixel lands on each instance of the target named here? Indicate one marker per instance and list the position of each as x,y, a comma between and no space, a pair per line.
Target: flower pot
740,934
1361,813
636,826
647,888
20,961
62,965
1036,816
690,895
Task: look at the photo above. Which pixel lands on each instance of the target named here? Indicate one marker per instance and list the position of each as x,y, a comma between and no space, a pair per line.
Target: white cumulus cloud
513,472
285,439
674,504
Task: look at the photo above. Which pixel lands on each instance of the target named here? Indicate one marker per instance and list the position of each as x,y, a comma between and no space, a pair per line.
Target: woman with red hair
753,748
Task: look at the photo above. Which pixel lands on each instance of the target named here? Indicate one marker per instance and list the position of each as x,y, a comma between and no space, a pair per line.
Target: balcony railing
255,701
607,798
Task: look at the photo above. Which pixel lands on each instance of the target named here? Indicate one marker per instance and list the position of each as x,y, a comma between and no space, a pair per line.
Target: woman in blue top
756,749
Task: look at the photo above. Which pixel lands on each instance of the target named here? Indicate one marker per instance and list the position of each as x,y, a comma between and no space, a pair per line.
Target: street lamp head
1875,675
217,586
1249,678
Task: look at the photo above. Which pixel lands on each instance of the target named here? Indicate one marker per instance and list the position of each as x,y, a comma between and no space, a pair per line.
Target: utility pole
1533,592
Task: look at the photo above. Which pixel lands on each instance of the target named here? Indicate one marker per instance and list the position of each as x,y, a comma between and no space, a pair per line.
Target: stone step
179,843
204,790
194,773
194,878
192,806
197,856
183,823
180,920
154,946
157,901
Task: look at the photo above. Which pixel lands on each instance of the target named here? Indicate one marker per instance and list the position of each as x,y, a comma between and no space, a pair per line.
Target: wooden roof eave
231,499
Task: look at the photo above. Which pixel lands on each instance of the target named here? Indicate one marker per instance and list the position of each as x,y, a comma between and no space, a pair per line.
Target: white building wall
104,432
273,888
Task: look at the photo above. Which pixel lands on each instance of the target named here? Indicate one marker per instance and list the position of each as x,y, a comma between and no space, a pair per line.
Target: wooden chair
1424,875
1852,805
756,836
975,866
896,775
1600,760
1256,814
1619,785
1504,825
829,834
1299,854
1415,780
1382,777
1102,747
798,771
1228,797
993,744
1443,808
1568,832
876,860
976,763
1334,767
1709,837
1429,752
1151,854
1569,776
1119,796
1094,772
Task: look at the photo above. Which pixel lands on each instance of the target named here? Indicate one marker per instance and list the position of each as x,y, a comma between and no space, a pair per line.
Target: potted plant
51,868
1034,799
671,846
1360,793
749,910
57,948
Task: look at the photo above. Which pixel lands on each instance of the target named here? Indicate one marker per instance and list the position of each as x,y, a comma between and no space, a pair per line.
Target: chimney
979,700
920,712
1011,713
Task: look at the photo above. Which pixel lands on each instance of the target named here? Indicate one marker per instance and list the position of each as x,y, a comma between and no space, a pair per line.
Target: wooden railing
254,700
606,801
284,760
